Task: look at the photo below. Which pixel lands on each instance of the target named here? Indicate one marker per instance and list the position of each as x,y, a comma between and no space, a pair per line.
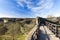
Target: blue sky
29,8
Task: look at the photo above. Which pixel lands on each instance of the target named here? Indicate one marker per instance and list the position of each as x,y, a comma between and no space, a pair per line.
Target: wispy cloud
25,8
36,6
45,4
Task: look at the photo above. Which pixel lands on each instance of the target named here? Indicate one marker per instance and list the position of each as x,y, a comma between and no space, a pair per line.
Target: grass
22,37
0,38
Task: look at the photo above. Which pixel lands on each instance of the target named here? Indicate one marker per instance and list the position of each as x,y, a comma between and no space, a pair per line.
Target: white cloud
4,15
41,4
37,8
9,15
57,14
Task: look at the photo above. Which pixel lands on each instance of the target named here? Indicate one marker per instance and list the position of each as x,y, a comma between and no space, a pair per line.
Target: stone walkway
46,34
